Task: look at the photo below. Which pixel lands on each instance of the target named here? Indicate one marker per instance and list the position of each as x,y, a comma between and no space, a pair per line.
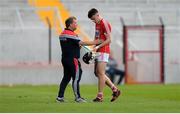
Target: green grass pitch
134,98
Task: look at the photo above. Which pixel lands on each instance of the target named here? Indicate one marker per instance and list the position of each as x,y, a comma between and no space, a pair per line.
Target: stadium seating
21,27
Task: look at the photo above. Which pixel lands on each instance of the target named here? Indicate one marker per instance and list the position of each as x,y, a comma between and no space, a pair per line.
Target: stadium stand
24,36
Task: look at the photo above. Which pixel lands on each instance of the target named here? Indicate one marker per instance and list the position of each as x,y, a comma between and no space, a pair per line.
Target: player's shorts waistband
102,57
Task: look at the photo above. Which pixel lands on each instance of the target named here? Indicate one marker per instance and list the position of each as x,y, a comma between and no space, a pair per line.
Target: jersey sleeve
106,27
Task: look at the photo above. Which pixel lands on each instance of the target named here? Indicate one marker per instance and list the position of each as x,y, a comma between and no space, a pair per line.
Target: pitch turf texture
134,98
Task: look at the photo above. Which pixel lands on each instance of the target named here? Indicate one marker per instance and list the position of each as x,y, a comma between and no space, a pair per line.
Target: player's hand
95,48
98,41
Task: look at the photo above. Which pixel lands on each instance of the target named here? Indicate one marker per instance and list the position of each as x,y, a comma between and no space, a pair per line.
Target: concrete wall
39,74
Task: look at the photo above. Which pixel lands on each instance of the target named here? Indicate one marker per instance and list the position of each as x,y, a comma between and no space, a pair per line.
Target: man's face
95,18
74,24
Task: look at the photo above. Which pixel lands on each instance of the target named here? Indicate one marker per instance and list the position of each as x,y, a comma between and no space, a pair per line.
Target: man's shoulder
105,24
68,32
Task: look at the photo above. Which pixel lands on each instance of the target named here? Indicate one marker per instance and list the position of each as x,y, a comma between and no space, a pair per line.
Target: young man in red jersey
102,32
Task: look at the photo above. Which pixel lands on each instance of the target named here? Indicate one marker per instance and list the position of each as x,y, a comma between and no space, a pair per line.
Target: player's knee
100,73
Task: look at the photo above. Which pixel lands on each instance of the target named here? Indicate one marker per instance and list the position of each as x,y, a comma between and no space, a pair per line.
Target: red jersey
102,28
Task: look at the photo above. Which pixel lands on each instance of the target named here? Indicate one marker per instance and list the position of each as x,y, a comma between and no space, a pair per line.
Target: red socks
100,95
114,89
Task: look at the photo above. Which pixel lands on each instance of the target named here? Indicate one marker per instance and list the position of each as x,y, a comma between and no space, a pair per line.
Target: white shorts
102,57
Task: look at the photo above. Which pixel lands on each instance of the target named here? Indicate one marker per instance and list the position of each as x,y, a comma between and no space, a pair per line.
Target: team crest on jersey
97,33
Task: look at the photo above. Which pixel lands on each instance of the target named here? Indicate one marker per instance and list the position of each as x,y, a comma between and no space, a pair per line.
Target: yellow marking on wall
53,17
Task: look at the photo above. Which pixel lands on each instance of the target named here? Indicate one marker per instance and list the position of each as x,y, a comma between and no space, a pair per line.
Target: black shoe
59,99
98,99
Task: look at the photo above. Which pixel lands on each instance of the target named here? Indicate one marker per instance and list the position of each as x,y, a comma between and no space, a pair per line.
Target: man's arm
88,43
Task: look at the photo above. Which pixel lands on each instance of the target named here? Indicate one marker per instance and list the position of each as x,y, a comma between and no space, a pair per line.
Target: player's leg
110,74
100,66
99,97
109,78
115,90
102,79
100,69
76,74
100,72
108,82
